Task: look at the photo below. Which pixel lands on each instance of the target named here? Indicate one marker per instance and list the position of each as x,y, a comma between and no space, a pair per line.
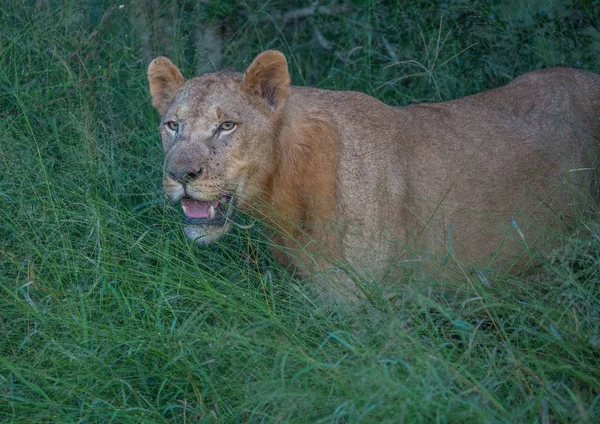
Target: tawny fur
340,176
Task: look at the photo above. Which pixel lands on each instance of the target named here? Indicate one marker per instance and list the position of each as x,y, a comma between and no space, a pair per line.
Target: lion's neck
302,189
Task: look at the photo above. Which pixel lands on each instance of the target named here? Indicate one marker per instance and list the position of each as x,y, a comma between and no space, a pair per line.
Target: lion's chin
206,221
206,234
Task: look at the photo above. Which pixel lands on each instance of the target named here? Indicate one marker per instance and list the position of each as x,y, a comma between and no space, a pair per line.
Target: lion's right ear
165,81
268,77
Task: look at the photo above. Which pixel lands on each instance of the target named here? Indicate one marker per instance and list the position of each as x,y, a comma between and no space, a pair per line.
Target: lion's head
218,132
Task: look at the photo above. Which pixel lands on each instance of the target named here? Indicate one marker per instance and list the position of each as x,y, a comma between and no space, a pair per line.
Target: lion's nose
186,177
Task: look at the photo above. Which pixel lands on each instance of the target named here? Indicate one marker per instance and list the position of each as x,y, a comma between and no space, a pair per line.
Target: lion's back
463,174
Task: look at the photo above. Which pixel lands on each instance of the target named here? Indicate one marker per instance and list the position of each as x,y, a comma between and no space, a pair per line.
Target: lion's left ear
165,81
268,77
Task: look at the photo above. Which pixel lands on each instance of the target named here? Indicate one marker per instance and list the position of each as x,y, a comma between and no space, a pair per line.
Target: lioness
340,177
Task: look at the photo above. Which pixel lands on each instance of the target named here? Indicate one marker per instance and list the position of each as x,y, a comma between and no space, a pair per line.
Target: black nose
186,177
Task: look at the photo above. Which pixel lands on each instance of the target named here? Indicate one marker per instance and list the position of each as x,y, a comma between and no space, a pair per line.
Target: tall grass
108,314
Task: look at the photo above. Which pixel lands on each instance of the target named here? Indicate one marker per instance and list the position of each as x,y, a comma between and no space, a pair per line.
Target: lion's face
217,134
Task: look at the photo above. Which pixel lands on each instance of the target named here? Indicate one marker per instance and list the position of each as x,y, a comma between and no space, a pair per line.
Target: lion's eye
227,126
172,125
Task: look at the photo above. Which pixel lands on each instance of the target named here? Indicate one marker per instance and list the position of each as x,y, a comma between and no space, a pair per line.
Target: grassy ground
107,314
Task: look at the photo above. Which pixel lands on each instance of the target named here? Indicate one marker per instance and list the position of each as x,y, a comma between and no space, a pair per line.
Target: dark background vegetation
107,314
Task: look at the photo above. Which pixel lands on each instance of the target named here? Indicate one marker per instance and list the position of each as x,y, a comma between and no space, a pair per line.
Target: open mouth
207,212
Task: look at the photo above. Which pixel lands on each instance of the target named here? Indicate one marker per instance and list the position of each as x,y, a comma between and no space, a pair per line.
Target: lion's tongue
197,208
